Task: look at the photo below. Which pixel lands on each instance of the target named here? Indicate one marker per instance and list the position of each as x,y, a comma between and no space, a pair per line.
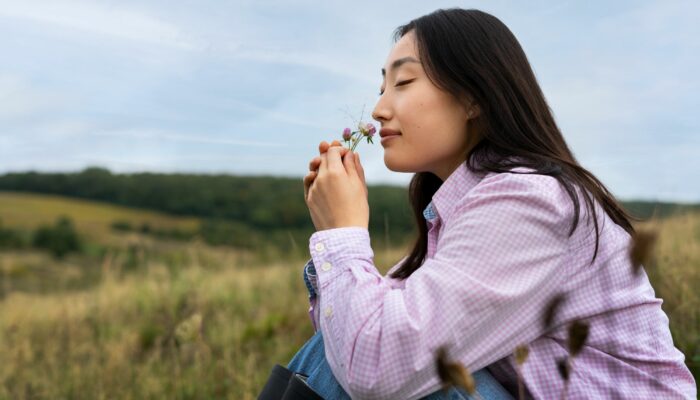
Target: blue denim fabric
310,360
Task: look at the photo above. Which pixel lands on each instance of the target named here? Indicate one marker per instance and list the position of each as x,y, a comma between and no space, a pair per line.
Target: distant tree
59,239
122,226
10,238
145,228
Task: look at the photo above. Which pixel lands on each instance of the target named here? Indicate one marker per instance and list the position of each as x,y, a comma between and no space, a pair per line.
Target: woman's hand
335,190
316,161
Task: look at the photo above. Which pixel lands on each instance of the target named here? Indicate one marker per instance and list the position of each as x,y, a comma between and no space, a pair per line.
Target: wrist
343,225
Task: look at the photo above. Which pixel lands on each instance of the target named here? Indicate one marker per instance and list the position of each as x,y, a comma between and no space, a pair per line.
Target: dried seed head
563,368
641,248
453,374
578,333
552,308
189,330
521,353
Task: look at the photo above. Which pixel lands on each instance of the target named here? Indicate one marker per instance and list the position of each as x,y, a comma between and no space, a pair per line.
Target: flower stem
354,144
521,386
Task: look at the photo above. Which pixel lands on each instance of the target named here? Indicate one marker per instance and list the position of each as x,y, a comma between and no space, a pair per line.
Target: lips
388,132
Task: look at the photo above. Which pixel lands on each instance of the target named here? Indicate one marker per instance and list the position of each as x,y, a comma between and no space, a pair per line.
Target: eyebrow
400,62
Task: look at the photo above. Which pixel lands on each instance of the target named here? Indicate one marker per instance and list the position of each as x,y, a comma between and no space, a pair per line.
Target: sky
252,87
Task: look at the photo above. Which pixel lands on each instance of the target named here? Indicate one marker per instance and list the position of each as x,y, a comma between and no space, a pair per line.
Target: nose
380,112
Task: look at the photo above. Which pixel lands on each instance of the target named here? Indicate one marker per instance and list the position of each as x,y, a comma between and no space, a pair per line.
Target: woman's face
432,123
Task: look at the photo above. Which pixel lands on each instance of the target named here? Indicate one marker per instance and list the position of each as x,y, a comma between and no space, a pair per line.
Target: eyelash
399,84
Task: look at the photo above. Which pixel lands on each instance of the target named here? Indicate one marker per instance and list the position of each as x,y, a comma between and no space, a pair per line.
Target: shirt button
320,247
326,266
328,311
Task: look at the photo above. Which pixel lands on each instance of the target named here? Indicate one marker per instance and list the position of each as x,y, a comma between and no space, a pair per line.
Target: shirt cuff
331,249
310,278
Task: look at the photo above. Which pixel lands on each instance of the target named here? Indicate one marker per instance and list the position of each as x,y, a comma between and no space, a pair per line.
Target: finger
334,159
349,163
358,167
361,172
310,176
323,167
323,147
314,163
308,181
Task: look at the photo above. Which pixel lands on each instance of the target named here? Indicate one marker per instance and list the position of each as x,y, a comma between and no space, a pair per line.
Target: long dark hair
473,55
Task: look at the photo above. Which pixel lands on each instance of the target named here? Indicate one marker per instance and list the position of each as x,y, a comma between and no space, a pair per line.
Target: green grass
27,211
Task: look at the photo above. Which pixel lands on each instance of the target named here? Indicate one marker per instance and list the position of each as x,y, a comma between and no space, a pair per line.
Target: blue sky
251,87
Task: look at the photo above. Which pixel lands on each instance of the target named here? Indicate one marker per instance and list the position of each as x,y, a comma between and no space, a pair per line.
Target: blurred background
152,223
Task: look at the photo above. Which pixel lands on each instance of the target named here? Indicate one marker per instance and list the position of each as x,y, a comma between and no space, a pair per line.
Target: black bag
284,384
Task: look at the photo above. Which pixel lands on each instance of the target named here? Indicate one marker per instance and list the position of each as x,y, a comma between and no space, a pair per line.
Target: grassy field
25,210
185,320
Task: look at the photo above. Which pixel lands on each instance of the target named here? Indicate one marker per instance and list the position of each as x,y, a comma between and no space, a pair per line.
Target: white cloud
183,137
21,99
174,86
99,18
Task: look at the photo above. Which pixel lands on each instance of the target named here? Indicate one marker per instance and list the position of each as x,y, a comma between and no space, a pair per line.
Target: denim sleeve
311,286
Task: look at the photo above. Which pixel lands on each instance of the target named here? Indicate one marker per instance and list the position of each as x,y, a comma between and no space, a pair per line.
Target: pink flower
371,130
365,130
362,126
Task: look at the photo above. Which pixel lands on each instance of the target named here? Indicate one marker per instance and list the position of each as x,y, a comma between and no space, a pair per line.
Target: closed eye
399,84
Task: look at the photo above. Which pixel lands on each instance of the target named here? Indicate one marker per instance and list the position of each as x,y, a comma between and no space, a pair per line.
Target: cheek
430,125
434,135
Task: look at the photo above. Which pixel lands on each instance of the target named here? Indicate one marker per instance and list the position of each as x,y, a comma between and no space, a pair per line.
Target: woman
508,222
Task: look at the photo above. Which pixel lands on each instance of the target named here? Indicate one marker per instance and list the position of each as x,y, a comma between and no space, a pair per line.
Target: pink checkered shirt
498,251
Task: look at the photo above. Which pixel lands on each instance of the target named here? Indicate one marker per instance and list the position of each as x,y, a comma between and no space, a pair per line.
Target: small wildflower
551,310
347,135
362,126
371,130
189,330
563,368
366,130
453,374
521,353
578,333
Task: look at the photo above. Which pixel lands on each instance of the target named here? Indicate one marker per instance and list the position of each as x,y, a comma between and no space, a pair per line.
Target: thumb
358,167
360,172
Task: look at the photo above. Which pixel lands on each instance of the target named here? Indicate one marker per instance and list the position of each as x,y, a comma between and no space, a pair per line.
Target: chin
397,166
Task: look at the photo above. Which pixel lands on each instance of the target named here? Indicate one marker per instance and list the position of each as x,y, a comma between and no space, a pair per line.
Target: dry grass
192,321
674,271
118,340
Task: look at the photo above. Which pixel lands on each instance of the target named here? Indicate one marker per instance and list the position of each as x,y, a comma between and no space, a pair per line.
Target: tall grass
123,338
674,271
189,321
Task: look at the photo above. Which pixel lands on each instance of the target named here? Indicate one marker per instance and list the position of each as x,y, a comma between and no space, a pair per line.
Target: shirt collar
429,212
456,186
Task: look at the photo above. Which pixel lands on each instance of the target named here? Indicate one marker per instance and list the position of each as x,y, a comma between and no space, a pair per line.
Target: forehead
406,46
404,52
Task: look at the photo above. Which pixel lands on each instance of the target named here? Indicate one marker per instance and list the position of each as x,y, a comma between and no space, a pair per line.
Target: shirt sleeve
500,259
